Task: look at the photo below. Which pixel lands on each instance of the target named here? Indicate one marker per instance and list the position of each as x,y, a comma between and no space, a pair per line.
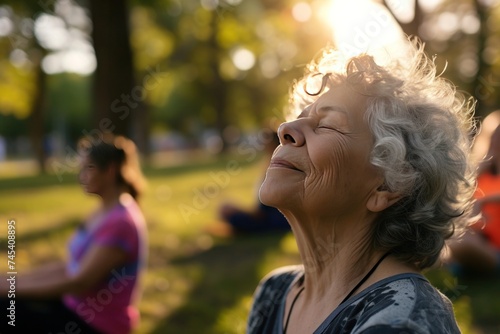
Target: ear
381,199
111,170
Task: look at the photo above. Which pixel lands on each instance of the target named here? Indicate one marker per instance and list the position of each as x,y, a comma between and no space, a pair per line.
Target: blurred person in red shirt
479,249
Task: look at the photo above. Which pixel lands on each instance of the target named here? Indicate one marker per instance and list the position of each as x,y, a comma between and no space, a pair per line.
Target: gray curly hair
422,129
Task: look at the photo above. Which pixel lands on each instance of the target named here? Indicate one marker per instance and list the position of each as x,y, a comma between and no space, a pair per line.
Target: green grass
195,283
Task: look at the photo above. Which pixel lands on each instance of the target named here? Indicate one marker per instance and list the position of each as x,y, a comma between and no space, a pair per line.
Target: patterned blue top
403,304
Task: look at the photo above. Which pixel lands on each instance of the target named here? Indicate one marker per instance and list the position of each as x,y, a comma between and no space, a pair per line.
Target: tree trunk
218,85
36,119
116,99
482,87
411,28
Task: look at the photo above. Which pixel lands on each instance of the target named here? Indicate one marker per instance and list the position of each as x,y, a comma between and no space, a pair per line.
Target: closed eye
332,129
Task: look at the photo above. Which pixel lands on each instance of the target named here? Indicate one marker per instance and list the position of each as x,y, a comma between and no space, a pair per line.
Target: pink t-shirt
110,307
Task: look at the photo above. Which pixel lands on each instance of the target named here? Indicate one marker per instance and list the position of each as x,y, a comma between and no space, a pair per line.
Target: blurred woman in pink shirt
95,291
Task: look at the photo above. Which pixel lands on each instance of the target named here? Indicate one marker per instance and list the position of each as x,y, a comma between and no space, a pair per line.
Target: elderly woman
373,176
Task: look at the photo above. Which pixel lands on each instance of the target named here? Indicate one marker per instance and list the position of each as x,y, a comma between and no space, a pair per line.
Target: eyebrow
334,108
324,109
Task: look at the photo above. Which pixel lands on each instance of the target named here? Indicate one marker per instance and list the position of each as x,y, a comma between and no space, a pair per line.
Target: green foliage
17,89
11,126
151,43
199,35
464,37
68,105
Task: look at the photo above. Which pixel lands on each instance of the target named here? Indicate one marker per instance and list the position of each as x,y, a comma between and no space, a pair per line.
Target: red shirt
488,185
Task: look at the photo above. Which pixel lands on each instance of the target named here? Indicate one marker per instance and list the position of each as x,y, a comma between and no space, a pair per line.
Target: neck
335,258
111,198
339,261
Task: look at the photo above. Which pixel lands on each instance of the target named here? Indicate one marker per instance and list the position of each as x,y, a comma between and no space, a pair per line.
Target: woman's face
322,165
92,179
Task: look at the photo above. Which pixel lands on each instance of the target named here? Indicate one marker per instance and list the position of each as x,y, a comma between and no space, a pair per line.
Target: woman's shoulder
125,212
285,272
403,302
123,221
269,296
408,294
275,284
281,278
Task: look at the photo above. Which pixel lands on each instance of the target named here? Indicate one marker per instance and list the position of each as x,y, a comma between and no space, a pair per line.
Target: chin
271,195
263,193
89,191
265,200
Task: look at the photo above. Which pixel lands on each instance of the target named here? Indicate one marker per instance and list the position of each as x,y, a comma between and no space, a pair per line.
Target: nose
81,176
291,134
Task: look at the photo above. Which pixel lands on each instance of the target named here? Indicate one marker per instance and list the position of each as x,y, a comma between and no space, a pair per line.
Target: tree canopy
207,64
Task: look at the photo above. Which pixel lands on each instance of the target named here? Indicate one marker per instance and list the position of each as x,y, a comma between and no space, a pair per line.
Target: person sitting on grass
96,290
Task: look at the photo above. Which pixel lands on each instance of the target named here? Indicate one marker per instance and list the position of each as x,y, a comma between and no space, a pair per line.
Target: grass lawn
195,283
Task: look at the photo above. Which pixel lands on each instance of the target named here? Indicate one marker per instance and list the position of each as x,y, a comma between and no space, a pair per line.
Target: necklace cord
291,308
368,274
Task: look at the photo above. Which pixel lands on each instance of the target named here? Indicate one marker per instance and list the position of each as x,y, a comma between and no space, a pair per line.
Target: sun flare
364,26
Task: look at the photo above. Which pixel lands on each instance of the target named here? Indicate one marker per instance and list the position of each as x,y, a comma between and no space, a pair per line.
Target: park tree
23,78
29,48
463,34
118,101
226,70
113,107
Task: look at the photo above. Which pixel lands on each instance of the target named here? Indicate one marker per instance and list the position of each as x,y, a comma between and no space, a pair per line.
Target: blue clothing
404,303
268,219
